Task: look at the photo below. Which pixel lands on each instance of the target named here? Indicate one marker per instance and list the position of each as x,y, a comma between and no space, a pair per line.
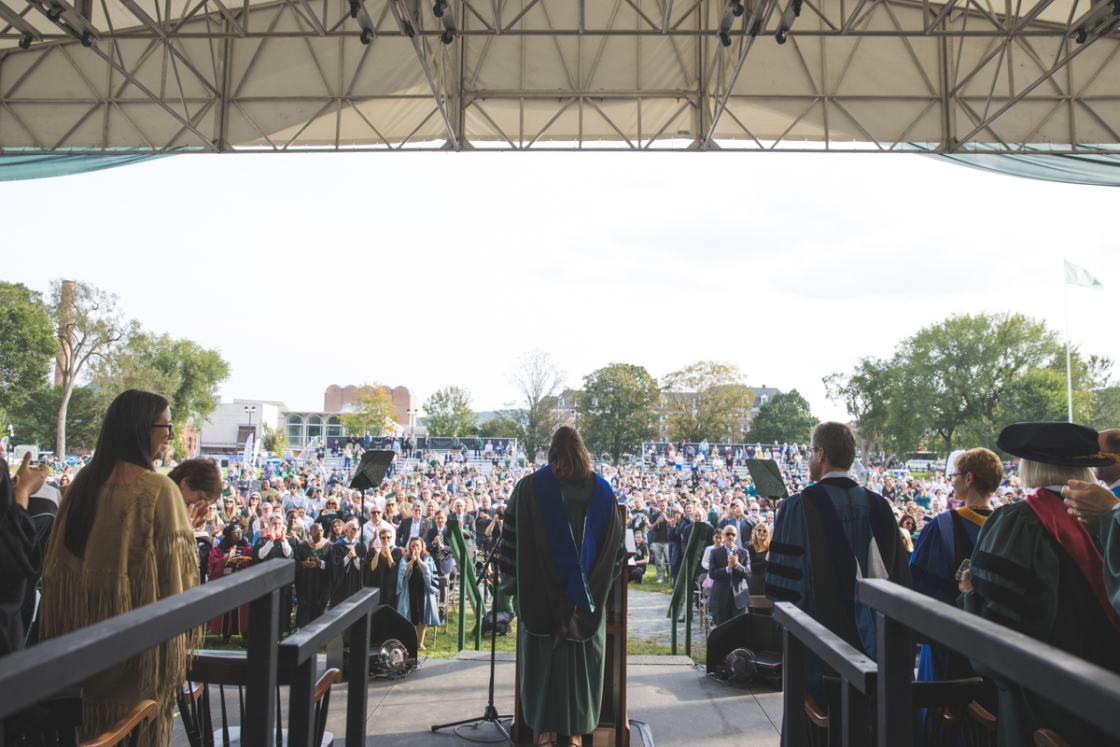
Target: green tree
181,370
90,327
35,420
275,440
616,409
500,426
707,400
785,418
538,380
866,395
27,344
373,411
448,412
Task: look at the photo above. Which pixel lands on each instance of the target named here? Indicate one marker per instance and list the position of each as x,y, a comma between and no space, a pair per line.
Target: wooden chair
55,723
196,707
1047,738
127,727
980,726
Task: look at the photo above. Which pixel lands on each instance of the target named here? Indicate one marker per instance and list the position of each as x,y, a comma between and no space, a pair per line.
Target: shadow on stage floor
678,702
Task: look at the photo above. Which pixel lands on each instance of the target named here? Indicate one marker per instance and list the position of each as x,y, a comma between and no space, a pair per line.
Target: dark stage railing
1082,688
36,673
299,651
858,676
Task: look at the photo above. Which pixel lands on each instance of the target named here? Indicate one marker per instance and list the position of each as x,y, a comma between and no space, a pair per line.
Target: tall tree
27,343
447,412
866,395
617,409
373,411
707,400
499,426
34,420
89,327
538,379
181,370
785,418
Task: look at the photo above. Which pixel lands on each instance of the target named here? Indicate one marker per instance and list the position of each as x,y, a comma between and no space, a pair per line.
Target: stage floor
678,702
680,705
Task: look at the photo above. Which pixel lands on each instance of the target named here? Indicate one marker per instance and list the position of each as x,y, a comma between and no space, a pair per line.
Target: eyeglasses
169,426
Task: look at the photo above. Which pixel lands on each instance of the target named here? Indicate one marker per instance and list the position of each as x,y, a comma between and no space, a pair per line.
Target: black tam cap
1064,444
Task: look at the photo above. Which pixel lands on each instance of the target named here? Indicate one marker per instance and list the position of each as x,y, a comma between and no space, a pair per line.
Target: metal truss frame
702,75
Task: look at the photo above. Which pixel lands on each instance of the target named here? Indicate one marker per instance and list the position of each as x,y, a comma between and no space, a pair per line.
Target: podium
613,729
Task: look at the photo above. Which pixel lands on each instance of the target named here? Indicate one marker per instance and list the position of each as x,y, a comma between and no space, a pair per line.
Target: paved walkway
648,621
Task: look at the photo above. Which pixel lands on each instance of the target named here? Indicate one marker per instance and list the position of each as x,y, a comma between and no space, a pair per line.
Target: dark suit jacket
726,583
405,531
444,558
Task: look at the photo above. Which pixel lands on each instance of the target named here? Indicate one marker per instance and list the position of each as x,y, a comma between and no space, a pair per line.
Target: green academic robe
1024,579
561,688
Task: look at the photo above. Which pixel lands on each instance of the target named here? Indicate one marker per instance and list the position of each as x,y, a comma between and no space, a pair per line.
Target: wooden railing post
260,687
357,688
794,725
301,706
856,723
896,669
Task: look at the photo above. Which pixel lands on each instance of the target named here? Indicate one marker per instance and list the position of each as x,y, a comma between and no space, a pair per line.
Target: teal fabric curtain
17,167
1094,169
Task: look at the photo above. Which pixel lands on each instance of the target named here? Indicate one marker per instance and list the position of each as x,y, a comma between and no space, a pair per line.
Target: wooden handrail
1047,738
329,677
982,717
145,710
191,694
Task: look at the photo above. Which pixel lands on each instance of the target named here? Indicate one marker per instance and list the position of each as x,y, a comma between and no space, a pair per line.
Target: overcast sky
430,269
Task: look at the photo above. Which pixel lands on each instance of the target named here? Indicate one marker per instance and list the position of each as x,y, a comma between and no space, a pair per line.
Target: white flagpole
1069,371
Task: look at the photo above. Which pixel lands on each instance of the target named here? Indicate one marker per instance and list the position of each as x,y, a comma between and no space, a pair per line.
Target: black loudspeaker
387,624
392,643
759,635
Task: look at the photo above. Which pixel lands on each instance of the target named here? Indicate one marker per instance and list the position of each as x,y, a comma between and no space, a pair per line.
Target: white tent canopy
176,75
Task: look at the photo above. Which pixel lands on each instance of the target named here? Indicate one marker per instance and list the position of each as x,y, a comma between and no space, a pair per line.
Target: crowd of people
993,537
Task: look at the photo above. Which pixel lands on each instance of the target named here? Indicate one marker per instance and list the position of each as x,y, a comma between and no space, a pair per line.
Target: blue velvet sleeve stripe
787,571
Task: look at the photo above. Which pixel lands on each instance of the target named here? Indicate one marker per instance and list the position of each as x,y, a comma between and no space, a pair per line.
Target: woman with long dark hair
561,552
122,539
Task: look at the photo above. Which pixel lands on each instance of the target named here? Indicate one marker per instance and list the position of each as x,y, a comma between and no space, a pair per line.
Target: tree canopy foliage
617,409
447,412
182,370
27,344
707,400
959,382
373,412
499,426
785,419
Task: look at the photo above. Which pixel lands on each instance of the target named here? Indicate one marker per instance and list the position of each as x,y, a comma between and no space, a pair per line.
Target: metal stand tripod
490,714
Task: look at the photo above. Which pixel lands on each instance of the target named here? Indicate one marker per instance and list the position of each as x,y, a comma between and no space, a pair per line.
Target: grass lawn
649,582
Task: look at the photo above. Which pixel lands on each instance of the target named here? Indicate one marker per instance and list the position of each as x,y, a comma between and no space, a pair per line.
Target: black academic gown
313,589
384,575
276,552
21,560
346,572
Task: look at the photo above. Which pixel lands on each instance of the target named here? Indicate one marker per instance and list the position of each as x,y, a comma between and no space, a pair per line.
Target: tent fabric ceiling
854,75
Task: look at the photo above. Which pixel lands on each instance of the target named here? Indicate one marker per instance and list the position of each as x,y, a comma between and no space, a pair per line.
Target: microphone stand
490,714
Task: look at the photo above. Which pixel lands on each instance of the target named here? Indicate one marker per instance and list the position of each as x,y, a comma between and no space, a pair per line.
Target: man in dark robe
313,573
825,538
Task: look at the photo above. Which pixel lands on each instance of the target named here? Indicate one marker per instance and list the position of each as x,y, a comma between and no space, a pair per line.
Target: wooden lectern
613,729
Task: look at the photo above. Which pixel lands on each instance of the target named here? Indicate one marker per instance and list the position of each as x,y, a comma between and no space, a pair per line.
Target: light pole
249,410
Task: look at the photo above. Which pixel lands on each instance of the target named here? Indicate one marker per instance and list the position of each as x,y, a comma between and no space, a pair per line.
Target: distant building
229,425
762,395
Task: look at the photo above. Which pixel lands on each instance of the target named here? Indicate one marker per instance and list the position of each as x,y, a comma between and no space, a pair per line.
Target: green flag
1079,276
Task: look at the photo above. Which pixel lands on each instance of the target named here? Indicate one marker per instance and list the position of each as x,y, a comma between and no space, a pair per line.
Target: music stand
490,713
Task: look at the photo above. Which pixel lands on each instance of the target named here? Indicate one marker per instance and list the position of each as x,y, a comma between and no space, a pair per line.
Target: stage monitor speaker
758,634
388,624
